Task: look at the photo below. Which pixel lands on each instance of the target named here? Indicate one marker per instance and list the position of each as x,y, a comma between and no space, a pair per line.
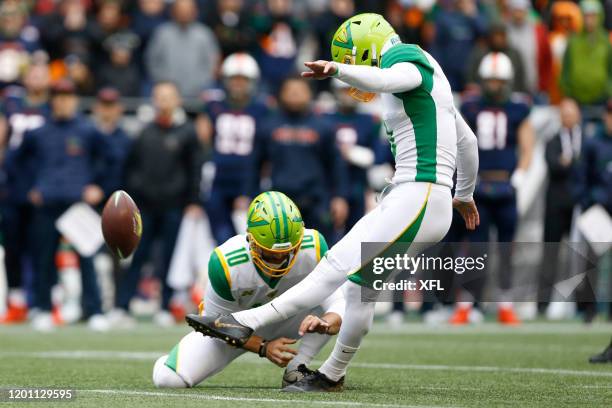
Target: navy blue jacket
21,116
233,144
594,172
65,153
303,157
119,144
356,129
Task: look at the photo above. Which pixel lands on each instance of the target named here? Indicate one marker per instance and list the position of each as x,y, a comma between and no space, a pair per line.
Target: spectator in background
232,124
456,32
67,31
183,51
497,42
109,21
303,158
65,150
77,69
162,173
17,41
107,114
120,71
23,110
530,38
326,24
505,147
279,35
358,138
565,20
593,186
408,21
324,27
562,153
149,15
587,65
230,23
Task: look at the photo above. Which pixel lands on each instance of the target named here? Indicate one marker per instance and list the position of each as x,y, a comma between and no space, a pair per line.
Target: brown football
121,224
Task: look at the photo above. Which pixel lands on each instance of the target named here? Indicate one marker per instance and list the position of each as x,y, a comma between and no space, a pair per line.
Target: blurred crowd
194,106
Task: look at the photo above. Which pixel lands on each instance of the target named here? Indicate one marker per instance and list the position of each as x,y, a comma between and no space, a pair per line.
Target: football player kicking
429,139
248,270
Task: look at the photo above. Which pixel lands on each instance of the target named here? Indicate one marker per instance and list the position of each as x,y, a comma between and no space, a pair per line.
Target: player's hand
314,324
278,352
320,69
339,211
194,211
518,178
565,161
469,212
92,194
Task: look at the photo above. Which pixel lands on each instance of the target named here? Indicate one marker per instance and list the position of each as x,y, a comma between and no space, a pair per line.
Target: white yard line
525,370
152,355
204,396
381,328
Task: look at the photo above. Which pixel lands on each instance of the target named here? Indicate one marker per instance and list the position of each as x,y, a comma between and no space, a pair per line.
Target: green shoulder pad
413,54
405,53
219,275
320,245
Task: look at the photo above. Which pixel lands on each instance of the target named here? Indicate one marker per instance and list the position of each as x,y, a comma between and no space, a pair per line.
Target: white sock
307,294
310,345
335,366
356,323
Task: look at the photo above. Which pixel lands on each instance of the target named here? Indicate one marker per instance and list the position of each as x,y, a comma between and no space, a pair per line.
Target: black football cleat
293,376
603,357
316,382
224,327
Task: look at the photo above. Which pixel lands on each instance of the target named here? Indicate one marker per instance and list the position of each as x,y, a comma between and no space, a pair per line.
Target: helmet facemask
274,262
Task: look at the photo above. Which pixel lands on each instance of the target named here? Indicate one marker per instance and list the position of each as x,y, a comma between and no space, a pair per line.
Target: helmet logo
342,35
255,217
344,38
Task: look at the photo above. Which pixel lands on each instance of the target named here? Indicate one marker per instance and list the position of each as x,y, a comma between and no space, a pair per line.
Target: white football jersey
234,277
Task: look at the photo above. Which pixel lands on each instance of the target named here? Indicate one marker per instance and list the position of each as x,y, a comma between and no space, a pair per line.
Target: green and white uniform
429,139
236,284
234,278
421,121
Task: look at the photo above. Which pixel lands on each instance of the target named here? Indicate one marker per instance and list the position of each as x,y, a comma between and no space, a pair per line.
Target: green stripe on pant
365,276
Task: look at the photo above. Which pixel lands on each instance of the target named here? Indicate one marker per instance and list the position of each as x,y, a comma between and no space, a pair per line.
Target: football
121,224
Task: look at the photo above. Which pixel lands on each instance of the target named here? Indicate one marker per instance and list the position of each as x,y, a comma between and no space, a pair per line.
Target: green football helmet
275,230
359,41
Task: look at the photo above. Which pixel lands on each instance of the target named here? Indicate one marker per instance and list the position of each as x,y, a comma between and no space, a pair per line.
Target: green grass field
535,365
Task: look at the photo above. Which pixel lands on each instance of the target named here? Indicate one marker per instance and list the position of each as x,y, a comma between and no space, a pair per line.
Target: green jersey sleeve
219,276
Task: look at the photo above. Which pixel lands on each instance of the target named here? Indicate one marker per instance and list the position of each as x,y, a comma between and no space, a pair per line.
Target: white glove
517,178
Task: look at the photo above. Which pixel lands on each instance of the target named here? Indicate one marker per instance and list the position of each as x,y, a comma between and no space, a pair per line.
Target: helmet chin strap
374,60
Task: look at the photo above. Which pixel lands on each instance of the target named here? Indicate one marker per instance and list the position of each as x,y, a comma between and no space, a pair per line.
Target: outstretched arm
401,77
